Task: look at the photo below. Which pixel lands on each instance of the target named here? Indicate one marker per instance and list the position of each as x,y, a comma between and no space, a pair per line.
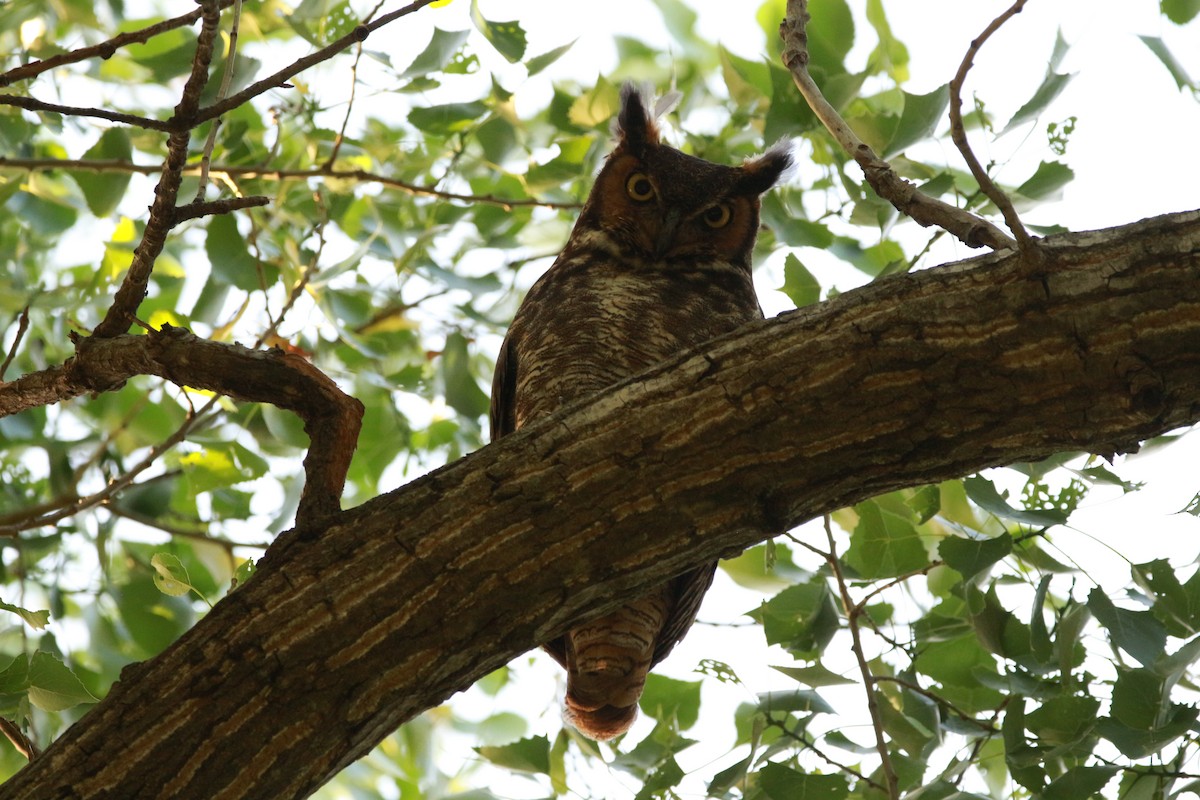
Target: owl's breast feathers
658,263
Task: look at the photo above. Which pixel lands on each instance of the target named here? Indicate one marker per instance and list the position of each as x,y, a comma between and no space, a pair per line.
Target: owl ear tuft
636,124
762,173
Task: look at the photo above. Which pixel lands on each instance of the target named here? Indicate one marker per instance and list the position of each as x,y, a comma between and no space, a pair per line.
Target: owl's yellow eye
717,216
639,187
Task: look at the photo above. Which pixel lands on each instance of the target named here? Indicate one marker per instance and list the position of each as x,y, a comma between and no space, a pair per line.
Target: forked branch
923,209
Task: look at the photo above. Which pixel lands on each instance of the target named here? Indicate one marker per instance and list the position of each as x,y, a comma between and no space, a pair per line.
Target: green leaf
816,675
103,190
525,755
666,775
34,619
1138,697
784,783
921,115
154,620
983,493
462,392
791,228
507,37
170,576
798,283
595,106
1177,70
884,544
1046,181
228,254
926,502
437,54
1063,720
830,36
665,698
1181,11
972,556
1079,782
797,700
448,118
538,63
1136,632
802,618
53,686
1051,88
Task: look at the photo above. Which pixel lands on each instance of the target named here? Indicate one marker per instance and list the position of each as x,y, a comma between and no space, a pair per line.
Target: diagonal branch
281,77
331,418
105,49
923,209
162,212
388,608
267,173
959,134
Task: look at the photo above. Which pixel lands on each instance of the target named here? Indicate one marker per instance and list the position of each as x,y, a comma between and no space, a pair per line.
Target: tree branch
391,607
973,231
261,173
331,418
959,134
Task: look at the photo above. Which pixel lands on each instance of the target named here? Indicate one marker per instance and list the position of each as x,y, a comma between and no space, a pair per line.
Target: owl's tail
607,664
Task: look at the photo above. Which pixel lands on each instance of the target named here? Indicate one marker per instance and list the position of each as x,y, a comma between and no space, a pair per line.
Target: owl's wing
689,593
502,415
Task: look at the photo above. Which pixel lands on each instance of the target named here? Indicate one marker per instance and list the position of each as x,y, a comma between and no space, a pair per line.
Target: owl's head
663,206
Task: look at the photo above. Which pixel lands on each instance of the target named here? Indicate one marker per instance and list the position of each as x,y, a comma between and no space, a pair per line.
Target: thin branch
341,135
22,326
226,80
280,78
19,740
941,701
162,212
923,209
33,104
207,208
105,49
959,133
806,743
197,534
853,611
265,173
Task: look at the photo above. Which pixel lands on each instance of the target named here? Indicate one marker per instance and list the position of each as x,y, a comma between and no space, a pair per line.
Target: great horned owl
658,262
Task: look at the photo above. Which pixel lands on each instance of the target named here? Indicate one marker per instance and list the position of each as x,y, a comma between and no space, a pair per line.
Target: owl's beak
666,232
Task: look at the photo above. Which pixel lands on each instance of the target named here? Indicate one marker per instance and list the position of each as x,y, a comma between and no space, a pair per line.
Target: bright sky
1133,155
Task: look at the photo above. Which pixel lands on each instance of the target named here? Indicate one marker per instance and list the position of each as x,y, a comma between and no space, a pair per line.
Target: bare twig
226,79
105,49
853,611
19,740
162,212
959,133
207,208
941,701
281,77
924,210
266,173
22,326
33,104
341,135
198,534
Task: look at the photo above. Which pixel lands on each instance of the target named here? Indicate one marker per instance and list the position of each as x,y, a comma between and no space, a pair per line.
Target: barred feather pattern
658,263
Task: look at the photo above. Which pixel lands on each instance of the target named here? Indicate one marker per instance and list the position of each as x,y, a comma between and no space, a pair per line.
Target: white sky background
1134,155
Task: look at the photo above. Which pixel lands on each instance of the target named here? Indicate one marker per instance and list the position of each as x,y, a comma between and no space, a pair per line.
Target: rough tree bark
356,625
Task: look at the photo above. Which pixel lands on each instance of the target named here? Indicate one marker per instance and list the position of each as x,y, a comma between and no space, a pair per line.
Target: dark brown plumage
658,262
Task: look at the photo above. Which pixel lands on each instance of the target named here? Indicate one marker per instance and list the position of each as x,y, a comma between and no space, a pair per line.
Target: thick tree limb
347,631
331,418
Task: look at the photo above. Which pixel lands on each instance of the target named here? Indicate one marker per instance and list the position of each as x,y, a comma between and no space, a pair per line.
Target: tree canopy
243,293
